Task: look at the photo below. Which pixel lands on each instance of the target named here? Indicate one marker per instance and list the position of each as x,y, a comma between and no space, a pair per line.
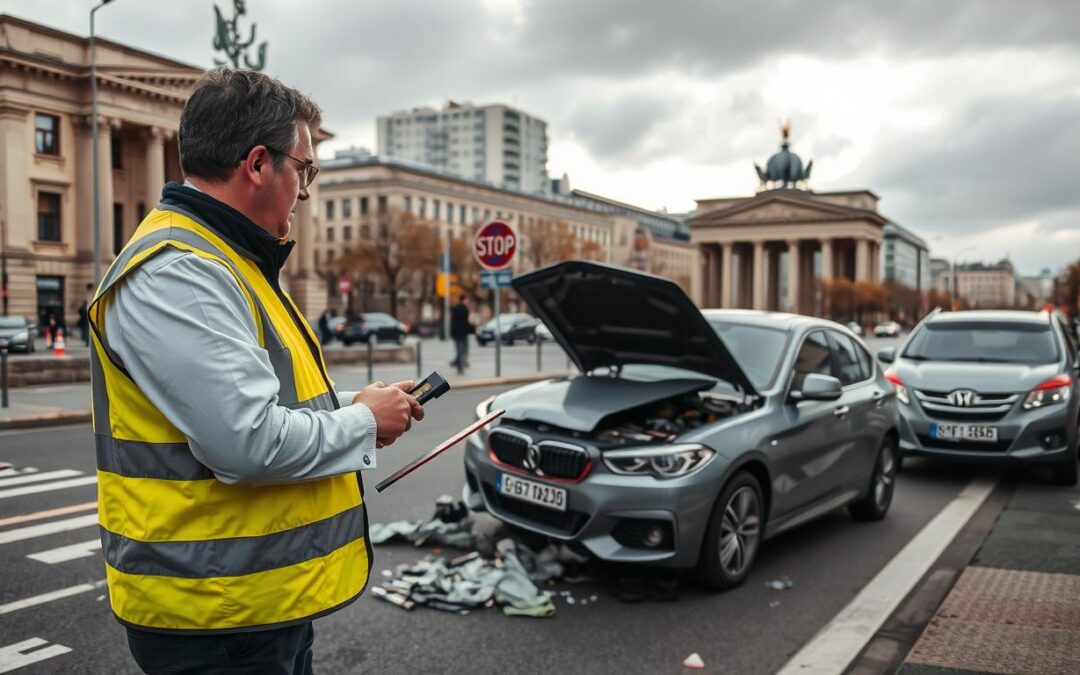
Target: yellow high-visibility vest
184,551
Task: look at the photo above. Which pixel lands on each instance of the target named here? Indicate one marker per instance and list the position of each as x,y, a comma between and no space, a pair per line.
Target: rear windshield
756,349
12,322
984,341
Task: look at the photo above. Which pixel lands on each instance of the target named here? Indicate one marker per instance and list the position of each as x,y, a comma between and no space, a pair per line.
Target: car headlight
18,337
1054,390
484,407
898,385
670,461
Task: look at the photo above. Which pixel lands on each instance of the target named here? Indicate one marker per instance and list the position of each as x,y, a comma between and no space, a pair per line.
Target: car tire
531,339
509,342
733,537
482,343
875,504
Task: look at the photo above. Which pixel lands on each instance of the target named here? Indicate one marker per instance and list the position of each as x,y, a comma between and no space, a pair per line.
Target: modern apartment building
987,286
493,144
907,258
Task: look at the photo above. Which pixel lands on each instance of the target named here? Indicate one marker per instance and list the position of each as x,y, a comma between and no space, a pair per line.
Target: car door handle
877,398
841,411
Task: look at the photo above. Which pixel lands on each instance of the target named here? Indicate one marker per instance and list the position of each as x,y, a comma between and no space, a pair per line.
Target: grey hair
231,111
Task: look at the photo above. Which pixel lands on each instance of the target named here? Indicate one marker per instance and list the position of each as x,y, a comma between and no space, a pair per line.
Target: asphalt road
749,630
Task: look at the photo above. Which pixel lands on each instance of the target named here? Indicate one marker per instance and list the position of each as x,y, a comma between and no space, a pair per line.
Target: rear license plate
531,491
964,432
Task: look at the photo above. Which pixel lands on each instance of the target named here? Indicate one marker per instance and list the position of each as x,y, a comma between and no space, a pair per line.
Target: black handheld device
432,386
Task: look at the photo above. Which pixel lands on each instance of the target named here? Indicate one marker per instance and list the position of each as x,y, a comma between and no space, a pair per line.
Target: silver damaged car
689,437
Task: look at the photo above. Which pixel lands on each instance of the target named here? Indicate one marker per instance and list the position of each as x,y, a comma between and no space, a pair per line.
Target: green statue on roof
227,39
784,169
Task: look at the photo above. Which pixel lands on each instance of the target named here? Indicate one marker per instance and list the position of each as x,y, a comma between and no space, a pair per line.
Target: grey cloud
618,128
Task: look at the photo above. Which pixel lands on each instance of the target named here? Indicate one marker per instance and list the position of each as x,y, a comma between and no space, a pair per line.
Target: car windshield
507,320
984,341
378,318
758,350
12,322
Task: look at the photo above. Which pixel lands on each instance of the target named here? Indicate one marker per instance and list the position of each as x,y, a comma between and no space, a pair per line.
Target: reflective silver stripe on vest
235,556
137,459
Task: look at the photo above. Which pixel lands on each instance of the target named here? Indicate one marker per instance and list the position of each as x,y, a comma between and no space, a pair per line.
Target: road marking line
40,515
48,528
49,597
83,549
840,641
38,477
12,657
12,471
47,487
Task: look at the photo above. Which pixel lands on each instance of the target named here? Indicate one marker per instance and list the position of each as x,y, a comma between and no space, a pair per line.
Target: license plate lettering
532,491
964,432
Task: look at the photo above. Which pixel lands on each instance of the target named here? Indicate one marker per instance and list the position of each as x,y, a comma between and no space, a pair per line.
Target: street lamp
94,140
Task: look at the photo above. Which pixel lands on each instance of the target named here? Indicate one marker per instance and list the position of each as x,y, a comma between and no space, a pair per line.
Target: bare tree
403,253
545,242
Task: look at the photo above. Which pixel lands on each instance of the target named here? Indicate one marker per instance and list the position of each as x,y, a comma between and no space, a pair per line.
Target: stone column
759,274
17,207
699,292
862,260
827,269
727,268
793,276
155,164
105,190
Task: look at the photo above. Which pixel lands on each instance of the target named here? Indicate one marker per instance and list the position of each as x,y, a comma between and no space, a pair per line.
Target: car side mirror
887,355
818,387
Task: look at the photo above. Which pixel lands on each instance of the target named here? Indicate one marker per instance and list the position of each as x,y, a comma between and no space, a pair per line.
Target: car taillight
1054,390
899,386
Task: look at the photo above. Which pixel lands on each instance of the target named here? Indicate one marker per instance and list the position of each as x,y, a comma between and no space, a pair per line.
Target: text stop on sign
495,245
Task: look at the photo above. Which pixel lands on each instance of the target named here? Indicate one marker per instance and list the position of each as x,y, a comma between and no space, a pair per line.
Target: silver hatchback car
690,436
997,387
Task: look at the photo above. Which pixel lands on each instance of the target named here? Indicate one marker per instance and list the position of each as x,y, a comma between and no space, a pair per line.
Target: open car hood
605,316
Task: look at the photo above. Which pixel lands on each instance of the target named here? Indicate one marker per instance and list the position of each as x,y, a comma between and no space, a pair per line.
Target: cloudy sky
963,116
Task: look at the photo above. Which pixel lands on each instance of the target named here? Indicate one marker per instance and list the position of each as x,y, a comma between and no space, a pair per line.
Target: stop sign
495,245
344,283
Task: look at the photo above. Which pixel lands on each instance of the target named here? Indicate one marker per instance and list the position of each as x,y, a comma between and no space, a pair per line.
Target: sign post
494,246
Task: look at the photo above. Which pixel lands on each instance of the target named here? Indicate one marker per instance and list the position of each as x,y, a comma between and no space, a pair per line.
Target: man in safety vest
229,495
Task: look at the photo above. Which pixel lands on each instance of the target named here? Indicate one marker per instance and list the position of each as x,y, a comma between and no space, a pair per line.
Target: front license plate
531,491
964,432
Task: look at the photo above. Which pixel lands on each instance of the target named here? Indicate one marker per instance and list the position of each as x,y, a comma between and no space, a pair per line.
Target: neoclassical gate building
767,251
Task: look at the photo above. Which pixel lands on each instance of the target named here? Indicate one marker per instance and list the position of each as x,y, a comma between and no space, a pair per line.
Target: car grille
982,407
557,460
566,522
964,446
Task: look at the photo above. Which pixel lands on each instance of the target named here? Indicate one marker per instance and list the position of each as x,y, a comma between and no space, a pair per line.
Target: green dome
785,168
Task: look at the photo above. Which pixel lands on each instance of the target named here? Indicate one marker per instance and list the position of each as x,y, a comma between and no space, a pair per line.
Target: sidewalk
1016,607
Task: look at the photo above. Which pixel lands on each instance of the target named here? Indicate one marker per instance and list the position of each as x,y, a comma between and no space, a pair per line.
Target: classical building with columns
46,164
770,250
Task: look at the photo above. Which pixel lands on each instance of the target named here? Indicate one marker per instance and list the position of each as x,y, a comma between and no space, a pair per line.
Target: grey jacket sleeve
184,330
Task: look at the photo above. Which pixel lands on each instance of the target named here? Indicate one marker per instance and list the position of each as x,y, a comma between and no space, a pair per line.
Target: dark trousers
282,651
461,353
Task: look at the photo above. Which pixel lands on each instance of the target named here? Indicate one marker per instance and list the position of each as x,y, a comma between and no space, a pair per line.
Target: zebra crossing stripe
32,531
47,487
49,597
13,657
51,513
83,549
38,477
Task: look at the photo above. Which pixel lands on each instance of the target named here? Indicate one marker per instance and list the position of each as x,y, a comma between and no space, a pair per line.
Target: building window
116,149
365,231
435,209
346,207
408,204
329,234
140,211
329,209
450,213
421,207
47,134
363,206
118,227
48,216
346,233
383,231
461,215
475,215
382,204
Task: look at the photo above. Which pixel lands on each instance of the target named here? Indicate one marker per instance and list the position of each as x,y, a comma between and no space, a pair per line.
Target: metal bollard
3,375
419,358
370,377
539,357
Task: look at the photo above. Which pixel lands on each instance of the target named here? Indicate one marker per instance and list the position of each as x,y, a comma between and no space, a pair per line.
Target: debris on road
780,584
693,661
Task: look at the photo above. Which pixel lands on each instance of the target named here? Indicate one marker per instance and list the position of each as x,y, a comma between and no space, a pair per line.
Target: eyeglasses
307,172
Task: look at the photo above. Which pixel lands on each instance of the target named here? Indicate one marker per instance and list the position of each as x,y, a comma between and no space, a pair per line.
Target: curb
41,421
84,416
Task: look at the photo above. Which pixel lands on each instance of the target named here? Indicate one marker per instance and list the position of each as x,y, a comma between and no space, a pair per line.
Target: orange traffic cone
48,337
58,344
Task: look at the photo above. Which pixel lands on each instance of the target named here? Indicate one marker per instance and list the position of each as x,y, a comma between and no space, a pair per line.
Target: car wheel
531,339
1065,472
734,534
482,343
878,498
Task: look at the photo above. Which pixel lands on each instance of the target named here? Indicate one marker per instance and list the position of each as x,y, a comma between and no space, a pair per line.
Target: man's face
283,189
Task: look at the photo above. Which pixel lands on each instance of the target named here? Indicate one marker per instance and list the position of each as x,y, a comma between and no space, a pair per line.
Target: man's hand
392,408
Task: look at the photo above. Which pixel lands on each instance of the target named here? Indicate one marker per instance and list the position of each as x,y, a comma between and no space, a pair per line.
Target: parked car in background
512,327
855,327
887,329
543,333
18,333
998,387
373,327
336,324
689,437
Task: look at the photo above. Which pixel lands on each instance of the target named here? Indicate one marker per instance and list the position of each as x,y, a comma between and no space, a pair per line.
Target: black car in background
382,327
18,333
512,327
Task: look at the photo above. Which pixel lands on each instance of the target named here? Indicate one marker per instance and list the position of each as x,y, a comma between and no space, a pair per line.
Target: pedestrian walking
460,329
231,504
84,324
324,327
